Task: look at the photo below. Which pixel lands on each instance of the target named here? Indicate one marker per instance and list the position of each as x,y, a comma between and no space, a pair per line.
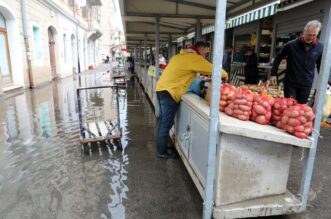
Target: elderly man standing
303,56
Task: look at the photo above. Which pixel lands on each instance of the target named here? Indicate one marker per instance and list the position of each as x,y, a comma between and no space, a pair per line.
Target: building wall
63,19
40,17
11,11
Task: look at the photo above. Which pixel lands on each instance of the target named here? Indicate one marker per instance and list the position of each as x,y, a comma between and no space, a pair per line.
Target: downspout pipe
26,42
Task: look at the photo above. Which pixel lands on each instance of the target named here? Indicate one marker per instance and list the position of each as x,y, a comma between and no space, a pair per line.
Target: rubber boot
161,145
162,148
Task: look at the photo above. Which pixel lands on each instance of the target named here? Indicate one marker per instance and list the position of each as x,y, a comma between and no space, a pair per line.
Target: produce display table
253,161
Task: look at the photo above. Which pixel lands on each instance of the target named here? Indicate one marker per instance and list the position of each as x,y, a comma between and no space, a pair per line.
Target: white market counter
253,161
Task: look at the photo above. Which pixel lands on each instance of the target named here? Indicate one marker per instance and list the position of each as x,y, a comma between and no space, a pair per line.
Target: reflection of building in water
66,99
17,118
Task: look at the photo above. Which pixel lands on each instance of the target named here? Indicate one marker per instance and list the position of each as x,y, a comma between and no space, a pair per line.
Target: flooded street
44,174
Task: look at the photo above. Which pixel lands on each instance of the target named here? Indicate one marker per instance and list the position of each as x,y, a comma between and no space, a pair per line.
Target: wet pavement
44,174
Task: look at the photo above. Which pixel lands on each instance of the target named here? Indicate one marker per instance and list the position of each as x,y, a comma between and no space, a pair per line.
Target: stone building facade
41,40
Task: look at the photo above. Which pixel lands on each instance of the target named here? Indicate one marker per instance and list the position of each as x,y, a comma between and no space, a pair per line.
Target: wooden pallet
100,131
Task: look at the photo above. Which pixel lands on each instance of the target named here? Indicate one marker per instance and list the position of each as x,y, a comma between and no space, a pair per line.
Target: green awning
256,14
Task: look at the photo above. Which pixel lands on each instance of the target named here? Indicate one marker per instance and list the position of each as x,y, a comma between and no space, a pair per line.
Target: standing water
44,174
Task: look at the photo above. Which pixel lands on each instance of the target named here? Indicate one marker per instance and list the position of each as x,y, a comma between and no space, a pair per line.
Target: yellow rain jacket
180,72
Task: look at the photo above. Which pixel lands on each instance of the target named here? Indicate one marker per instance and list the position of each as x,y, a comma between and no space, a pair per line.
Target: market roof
177,17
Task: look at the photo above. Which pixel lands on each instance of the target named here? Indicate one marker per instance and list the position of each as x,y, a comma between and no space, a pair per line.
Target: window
64,48
84,12
71,3
2,21
37,43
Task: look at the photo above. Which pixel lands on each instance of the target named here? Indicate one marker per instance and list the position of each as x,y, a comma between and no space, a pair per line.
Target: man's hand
243,64
273,79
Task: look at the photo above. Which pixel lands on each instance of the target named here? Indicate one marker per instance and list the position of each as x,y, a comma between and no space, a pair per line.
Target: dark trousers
168,109
250,79
301,94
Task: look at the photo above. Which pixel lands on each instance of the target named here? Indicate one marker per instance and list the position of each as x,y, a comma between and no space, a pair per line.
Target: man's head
202,48
249,51
311,31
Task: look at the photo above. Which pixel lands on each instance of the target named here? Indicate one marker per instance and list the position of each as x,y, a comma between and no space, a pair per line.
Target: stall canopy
178,18
249,16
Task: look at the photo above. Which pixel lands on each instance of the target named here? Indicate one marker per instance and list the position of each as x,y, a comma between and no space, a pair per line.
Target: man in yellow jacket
173,83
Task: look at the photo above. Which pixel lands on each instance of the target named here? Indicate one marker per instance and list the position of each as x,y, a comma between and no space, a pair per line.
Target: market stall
248,162
252,163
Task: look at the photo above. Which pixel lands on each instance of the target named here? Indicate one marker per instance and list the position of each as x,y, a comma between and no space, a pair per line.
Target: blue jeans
168,109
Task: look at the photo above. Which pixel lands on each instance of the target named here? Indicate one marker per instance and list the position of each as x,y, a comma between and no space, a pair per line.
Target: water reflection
43,173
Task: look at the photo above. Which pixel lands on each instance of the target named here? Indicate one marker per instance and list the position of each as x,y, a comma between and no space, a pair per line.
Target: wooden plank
87,133
103,129
93,128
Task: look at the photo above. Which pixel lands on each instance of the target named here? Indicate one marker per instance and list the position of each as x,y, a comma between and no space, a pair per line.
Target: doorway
5,63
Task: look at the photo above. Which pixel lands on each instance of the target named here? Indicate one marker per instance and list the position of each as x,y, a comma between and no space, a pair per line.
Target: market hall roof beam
194,4
164,25
142,14
150,32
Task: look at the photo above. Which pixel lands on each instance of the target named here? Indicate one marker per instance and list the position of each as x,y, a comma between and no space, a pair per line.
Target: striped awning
256,14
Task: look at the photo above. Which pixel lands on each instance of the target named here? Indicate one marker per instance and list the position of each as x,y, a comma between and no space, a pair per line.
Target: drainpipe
26,42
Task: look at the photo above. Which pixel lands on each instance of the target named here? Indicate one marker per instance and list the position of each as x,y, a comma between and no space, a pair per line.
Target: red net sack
240,105
227,92
298,120
280,104
261,110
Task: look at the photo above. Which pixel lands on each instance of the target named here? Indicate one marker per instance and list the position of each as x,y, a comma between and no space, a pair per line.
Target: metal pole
26,42
214,108
318,108
145,49
144,73
157,47
198,31
157,73
169,47
140,53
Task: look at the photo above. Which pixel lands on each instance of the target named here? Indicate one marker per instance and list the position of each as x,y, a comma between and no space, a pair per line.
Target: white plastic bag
327,105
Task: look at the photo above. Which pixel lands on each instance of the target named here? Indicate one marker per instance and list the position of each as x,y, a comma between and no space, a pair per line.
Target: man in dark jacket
303,56
250,64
